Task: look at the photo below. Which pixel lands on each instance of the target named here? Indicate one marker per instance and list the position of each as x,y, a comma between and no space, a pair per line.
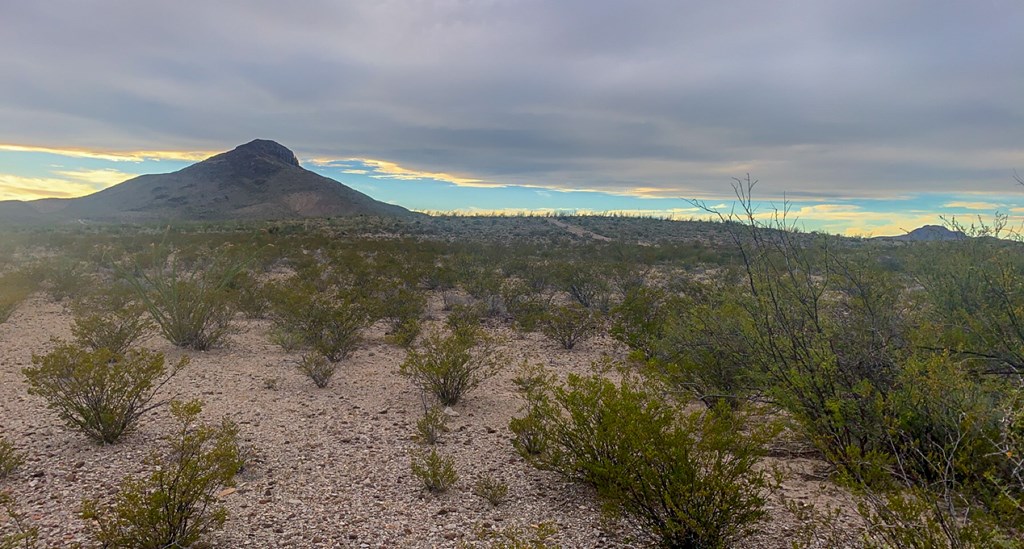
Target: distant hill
928,233
259,180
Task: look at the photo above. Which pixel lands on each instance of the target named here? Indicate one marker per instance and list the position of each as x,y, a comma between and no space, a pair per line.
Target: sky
864,117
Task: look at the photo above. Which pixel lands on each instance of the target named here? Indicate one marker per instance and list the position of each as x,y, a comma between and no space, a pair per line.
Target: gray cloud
827,98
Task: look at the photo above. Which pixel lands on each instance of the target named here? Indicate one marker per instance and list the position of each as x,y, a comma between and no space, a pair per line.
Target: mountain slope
259,180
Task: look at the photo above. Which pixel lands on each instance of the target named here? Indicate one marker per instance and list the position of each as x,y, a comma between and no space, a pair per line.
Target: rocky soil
329,467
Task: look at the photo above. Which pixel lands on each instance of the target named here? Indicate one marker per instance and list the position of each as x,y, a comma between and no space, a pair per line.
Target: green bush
10,458
190,303
569,325
330,321
639,320
688,479
539,536
432,426
402,308
109,320
436,472
449,367
491,489
317,368
98,392
176,505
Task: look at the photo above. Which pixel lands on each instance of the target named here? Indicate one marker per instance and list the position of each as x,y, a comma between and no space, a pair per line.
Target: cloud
14,187
110,156
101,178
964,205
871,99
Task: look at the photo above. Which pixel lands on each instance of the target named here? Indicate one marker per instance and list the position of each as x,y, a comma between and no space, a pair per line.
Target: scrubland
508,382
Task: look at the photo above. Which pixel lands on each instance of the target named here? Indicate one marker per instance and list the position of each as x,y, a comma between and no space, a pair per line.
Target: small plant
432,426
109,320
436,472
288,340
569,325
316,367
538,537
271,383
451,366
176,505
10,458
98,392
22,536
65,278
493,490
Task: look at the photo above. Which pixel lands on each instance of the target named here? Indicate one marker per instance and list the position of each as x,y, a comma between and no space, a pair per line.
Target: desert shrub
10,458
436,472
688,479
14,288
451,366
569,325
639,320
287,340
110,320
98,392
704,348
402,308
330,321
538,536
491,489
912,518
466,318
176,504
317,368
432,426
524,304
248,295
65,278
585,285
189,303
21,536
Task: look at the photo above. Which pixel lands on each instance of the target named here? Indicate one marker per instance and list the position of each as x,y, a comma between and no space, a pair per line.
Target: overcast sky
889,108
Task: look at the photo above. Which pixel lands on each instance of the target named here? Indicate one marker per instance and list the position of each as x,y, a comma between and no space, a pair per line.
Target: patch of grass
436,472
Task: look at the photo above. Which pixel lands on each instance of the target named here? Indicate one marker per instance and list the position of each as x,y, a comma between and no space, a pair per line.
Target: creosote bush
109,320
317,368
14,288
176,505
491,489
432,426
330,321
10,458
436,472
98,392
569,325
688,479
451,366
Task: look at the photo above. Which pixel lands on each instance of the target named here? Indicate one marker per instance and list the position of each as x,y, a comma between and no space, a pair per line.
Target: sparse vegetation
451,366
432,426
109,320
317,368
688,479
491,489
435,471
569,325
98,392
175,505
22,535
10,458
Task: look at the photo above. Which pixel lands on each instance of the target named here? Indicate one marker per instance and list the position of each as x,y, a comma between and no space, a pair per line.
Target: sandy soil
330,466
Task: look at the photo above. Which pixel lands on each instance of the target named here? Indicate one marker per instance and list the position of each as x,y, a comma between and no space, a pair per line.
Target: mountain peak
267,149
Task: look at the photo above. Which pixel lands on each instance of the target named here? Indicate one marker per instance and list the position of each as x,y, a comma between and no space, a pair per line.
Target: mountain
259,180
929,233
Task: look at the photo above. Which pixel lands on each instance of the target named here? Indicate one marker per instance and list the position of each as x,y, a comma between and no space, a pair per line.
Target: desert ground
331,467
